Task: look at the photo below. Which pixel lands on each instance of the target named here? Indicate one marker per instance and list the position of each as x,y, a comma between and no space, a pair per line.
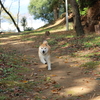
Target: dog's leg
49,63
42,59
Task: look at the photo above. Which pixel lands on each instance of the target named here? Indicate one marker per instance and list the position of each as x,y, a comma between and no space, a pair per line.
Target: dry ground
66,80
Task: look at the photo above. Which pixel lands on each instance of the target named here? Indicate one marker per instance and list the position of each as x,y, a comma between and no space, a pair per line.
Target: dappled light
96,98
70,68
58,22
75,73
83,86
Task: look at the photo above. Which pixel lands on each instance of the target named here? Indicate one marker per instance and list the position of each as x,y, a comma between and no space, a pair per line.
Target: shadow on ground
69,82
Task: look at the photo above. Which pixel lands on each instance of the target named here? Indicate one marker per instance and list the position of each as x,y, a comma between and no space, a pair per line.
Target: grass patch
11,65
65,43
12,70
52,42
90,65
3,97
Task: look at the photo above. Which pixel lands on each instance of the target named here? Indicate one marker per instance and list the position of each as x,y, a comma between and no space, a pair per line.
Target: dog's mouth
43,52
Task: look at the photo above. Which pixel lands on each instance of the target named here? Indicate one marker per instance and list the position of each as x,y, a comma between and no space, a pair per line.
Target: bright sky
23,12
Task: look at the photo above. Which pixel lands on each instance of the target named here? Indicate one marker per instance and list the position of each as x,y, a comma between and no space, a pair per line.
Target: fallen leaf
48,78
69,95
43,97
54,82
68,73
65,62
58,57
35,74
32,68
35,63
24,81
87,81
55,91
53,75
47,84
32,74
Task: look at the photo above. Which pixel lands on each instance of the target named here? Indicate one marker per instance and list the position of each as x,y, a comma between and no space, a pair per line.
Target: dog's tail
45,42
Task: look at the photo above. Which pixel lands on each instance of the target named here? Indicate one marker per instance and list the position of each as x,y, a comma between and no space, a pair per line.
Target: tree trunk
77,21
56,13
18,12
18,29
93,16
0,16
97,28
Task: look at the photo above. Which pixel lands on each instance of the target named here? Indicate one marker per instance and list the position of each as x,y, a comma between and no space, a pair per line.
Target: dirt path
67,82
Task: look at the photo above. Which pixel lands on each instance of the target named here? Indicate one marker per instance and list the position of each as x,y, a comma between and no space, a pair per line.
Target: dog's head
44,48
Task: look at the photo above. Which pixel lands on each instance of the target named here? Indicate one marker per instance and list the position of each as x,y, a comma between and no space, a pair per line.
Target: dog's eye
45,48
41,48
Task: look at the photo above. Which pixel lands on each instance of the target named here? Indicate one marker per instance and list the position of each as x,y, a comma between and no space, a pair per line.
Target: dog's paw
45,62
49,68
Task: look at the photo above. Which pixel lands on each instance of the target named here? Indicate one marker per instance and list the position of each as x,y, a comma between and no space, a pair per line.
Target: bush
29,28
84,11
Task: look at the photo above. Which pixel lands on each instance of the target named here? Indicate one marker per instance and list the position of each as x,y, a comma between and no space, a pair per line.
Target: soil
63,82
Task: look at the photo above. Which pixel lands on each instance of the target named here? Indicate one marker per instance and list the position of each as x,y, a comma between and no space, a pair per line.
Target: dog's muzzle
43,51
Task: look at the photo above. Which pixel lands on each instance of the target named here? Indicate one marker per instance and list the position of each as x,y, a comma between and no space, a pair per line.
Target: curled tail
45,42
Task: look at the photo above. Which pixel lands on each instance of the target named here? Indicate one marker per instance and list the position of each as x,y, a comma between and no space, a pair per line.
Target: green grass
68,44
52,42
12,65
3,97
90,65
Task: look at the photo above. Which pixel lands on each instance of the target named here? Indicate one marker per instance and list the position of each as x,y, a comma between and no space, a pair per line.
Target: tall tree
93,13
47,10
18,29
0,16
77,20
86,3
18,12
24,22
54,7
0,13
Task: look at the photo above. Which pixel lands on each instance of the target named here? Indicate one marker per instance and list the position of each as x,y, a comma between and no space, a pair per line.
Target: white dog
44,54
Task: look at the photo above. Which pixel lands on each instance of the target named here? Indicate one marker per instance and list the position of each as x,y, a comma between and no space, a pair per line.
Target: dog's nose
43,51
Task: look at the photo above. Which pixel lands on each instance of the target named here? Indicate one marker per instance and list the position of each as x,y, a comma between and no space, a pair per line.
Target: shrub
29,28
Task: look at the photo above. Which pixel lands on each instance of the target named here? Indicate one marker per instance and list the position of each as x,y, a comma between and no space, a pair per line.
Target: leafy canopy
40,9
44,9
